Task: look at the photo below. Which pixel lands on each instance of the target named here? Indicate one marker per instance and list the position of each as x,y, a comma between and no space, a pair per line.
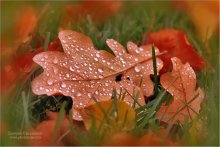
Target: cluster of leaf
28,108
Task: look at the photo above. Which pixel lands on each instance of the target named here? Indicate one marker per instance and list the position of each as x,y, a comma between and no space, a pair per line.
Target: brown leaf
183,91
82,71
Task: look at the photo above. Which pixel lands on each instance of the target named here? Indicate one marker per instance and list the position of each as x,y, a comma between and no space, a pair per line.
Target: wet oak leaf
176,44
114,118
82,71
183,91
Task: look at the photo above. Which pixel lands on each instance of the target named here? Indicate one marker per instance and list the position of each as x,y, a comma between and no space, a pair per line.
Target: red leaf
98,10
46,130
21,65
176,44
25,22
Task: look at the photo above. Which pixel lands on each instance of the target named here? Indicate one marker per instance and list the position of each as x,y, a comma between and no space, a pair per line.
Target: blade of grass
156,83
58,123
46,43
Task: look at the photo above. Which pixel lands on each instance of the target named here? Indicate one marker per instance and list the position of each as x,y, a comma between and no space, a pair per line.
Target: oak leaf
186,98
176,44
82,71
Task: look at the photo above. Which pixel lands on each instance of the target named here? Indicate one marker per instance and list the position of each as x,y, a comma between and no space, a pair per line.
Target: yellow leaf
112,115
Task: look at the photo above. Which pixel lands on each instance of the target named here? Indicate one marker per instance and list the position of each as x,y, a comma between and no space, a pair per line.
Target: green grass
23,109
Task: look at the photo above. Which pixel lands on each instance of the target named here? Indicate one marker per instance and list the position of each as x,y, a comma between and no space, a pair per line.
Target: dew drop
89,95
78,94
71,68
101,76
67,75
55,60
96,59
55,70
49,82
97,55
73,90
42,59
141,49
76,66
63,85
138,68
100,70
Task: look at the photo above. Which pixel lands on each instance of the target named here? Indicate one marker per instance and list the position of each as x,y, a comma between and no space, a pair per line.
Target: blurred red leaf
26,21
98,10
21,65
46,130
176,44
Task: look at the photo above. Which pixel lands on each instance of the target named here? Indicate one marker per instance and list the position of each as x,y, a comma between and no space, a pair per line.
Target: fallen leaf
46,128
97,10
176,44
110,117
183,91
204,15
21,65
155,139
149,138
82,71
25,24
121,139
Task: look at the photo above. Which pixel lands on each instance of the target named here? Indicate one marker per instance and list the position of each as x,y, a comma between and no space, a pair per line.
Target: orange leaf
45,131
25,22
183,91
176,44
98,10
83,71
155,139
204,15
123,119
